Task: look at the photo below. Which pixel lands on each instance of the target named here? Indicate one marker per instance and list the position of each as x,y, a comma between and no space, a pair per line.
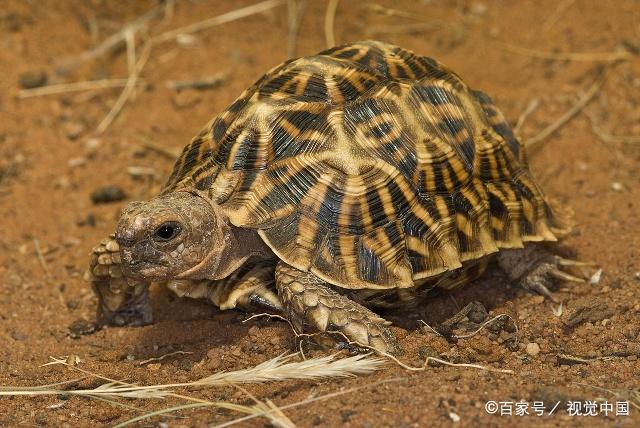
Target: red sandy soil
50,164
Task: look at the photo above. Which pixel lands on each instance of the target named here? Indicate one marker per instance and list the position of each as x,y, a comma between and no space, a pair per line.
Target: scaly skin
125,301
535,269
309,301
122,301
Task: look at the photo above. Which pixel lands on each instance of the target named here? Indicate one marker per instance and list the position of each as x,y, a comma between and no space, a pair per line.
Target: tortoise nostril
125,238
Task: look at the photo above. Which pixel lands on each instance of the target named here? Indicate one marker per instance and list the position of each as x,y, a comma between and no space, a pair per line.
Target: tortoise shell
371,167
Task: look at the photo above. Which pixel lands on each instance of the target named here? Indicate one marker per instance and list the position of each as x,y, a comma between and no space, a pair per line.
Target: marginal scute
371,167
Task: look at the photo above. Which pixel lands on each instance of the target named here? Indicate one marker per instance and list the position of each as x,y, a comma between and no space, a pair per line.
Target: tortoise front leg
247,289
310,301
121,301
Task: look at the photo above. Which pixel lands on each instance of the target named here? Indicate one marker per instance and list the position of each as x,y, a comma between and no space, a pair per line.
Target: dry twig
329,23
534,142
208,83
620,55
562,7
387,355
411,28
217,20
295,11
162,357
606,136
582,360
531,107
41,259
478,330
425,22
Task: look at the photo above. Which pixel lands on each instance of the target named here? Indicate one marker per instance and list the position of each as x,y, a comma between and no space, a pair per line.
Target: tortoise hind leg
310,301
537,270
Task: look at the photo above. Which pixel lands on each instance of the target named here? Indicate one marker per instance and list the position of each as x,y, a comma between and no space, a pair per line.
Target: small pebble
74,129
80,328
16,335
537,300
154,367
92,144
186,99
186,40
595,278
533,349
33,79
617,186
76,162
14,279
108,194
479,9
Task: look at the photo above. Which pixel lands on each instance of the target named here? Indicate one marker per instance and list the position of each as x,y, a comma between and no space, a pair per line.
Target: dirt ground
52,160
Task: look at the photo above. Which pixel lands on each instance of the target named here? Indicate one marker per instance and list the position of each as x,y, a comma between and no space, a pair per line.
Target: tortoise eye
167,231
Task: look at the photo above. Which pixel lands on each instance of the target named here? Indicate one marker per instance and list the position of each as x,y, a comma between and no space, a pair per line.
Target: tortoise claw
561,261
541,278
558,274
120,301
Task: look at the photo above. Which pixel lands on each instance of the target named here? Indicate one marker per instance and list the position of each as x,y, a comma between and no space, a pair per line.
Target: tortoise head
176,235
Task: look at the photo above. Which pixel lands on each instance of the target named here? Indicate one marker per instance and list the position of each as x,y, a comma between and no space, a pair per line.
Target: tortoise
353,180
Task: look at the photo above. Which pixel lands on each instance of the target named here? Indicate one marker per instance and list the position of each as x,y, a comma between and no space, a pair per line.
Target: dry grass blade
276,369
270,411
113,40
280,368
311,400
217,20
134,70
531,107
159,412
624,394
168,153
567,56
329,23
72,87
607,137
534,142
